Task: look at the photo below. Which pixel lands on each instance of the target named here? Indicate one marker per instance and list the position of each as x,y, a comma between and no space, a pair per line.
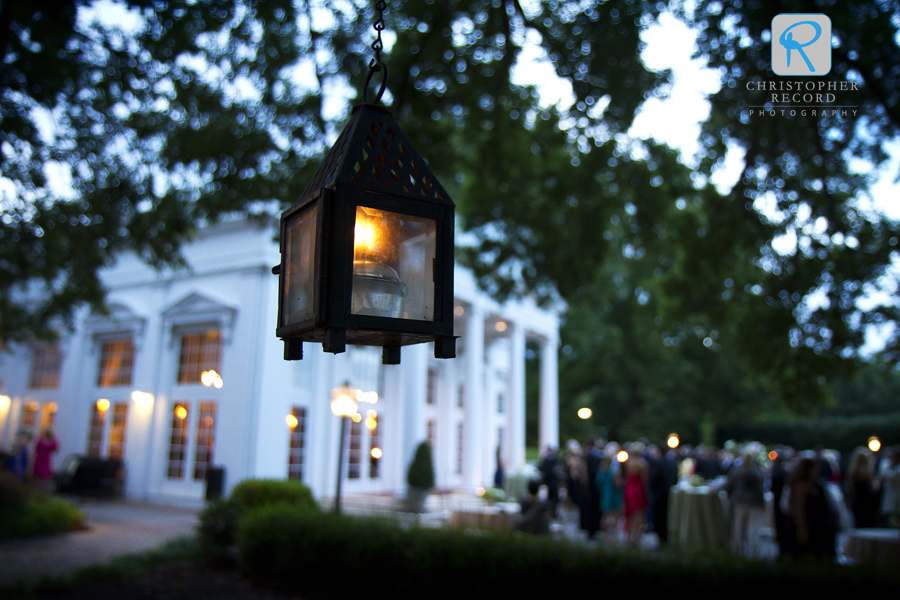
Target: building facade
130,384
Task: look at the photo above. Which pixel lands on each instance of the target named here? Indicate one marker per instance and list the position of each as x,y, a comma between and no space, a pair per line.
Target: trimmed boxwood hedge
219,519
309,555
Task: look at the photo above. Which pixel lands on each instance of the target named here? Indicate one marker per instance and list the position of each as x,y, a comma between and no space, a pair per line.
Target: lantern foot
445,347
335,341
293,349
390,355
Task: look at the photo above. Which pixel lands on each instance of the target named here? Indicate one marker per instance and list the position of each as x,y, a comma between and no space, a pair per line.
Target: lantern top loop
376,64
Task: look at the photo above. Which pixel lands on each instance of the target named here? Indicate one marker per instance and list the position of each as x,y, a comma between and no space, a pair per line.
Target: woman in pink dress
634,496
43,472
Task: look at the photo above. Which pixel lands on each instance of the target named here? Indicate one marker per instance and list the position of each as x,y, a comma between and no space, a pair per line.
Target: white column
515,454
549,397
473,340
414,365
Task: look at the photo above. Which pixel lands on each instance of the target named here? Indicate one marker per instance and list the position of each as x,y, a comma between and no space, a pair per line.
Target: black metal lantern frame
330,291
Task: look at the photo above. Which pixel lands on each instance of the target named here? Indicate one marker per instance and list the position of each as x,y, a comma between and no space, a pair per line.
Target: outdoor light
291,421
500,326
376,453
142,399
673,441
622,456
102,404
181,412
874,444
585,413
345,404
211,378
5,402
367,251
773,455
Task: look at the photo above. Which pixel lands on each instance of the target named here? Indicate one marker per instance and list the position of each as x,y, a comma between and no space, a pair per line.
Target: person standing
18,463
47,444
634,494
748,504
890,488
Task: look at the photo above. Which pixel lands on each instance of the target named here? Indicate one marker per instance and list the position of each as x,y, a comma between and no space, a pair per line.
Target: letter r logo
801,44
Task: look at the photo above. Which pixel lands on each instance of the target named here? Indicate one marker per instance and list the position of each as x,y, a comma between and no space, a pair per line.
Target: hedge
338,556
838,433
219,519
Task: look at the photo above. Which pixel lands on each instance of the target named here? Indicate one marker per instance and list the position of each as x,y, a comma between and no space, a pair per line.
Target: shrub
421,469
219,520
38,514
304,554
12,491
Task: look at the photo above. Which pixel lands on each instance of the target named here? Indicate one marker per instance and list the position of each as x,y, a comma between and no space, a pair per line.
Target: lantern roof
373,154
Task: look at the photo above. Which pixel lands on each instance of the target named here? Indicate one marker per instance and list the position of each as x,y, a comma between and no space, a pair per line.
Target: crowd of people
621,492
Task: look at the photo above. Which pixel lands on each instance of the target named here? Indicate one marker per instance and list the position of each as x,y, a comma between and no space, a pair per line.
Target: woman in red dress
634,495
43,473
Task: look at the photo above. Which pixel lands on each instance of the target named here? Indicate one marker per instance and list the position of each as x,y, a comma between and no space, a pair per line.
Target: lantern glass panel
299,285
393,265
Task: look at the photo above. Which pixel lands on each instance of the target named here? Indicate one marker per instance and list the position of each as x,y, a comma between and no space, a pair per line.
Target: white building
165,328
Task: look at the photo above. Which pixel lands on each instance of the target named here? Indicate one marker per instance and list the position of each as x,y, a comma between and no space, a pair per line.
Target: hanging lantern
367,252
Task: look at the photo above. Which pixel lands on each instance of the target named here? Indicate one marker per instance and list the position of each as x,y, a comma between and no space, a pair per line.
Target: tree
204,100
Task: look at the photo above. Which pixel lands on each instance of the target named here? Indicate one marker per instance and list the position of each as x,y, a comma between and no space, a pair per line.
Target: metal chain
376,65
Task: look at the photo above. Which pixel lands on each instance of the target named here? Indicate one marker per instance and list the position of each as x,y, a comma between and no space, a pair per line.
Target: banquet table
697,518
880,546
497,517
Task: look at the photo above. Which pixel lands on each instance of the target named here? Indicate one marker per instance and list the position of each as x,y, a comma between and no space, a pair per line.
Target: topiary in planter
420,478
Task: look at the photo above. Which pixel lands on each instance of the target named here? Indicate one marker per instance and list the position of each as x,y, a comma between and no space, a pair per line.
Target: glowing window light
376,453
356,417
102,404
291,421
181,412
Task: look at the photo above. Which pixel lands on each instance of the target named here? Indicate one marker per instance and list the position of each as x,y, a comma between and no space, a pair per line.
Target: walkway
115,527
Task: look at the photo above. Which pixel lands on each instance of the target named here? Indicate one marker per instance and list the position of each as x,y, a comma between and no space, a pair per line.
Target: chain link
376,65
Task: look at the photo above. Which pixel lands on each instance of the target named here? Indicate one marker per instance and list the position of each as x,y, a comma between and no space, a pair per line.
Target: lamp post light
673,441
345,404
367,251
874,444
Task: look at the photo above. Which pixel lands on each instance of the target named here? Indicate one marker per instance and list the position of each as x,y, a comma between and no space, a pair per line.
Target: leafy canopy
215,107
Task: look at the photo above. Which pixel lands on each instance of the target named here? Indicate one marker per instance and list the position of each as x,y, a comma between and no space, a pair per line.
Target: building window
46,364
430,391
48,415
98,424
206,440
429,432
459,448
116,363
178,440
355,445
501,402
374,426
117,430
296,455
200,352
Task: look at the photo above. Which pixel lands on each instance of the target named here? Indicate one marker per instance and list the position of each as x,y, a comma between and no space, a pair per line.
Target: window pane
116,363
46,365
199,352
117,431
355,445
178,441
296,455
95,435
299,268
393,265
375,445
206,440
